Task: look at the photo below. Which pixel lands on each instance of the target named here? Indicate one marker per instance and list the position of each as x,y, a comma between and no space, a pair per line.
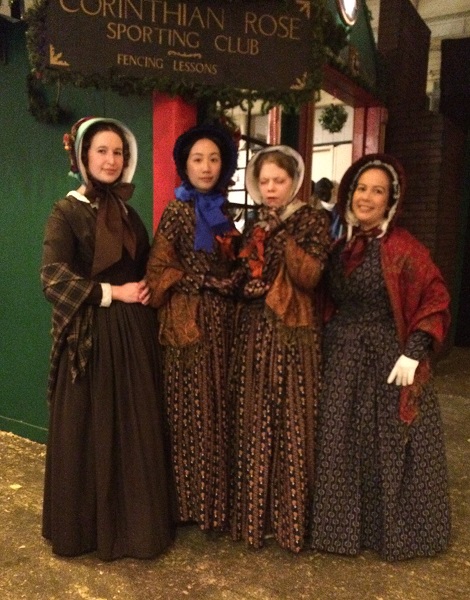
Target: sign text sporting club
256,45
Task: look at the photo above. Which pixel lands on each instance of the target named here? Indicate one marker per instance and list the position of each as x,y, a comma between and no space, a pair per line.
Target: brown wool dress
107,474
274,382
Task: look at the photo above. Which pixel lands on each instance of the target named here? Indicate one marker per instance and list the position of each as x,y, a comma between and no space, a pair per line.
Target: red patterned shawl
419,300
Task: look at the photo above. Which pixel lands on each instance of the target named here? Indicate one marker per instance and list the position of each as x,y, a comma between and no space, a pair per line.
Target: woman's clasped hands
134,291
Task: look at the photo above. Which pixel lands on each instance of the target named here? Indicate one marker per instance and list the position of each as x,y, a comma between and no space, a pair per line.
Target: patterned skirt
380,484
196,396
273,389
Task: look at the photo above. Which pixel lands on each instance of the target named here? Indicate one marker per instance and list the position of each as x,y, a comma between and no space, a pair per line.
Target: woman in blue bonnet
107,480
189,274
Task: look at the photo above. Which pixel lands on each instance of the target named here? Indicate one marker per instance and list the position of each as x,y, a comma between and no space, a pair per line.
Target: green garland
336,37
225,97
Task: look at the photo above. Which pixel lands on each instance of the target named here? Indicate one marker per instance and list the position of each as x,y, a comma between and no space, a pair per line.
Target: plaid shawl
71,319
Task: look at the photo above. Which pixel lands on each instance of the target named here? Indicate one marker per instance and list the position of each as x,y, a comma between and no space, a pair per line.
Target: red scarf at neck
354,251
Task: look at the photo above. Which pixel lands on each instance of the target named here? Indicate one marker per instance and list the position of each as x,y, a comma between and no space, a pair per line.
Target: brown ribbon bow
113,229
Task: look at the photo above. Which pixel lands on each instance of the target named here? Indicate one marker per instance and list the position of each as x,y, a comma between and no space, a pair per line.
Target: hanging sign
253,45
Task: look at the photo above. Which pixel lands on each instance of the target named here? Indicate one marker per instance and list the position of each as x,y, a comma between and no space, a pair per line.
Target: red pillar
171,116
369,130
359,132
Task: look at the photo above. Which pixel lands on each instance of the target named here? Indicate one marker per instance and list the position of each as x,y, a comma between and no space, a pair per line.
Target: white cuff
107,296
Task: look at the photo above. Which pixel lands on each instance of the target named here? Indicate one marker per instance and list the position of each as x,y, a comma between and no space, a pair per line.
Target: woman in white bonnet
274,377
106,484
381,478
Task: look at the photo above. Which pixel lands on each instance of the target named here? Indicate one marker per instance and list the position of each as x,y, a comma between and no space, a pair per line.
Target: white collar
79,196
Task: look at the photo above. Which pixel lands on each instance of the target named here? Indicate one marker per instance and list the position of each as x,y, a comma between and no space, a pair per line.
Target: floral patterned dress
274,381
196,332
380,484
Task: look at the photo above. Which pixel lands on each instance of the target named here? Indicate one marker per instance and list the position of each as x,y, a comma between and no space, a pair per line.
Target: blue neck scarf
210,220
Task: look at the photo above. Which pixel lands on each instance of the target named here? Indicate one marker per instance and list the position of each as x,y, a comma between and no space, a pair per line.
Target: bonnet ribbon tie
354,251
113,229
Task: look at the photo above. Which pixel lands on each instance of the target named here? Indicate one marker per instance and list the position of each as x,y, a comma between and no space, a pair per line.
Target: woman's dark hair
221,137
323,189
186,149
284,161
97,128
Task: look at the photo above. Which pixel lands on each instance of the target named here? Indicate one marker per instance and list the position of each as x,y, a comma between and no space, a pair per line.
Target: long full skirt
196,397
273,388
107,482
380,484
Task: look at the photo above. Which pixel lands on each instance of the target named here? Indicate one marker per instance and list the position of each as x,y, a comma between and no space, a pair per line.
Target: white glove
403,373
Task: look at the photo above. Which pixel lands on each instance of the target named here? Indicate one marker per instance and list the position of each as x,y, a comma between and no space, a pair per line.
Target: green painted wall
34,167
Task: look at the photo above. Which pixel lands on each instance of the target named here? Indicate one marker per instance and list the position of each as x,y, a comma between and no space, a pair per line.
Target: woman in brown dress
275,369
106,483
188,273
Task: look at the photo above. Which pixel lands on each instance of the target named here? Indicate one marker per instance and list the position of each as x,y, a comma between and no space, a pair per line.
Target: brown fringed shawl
177,310
290,297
